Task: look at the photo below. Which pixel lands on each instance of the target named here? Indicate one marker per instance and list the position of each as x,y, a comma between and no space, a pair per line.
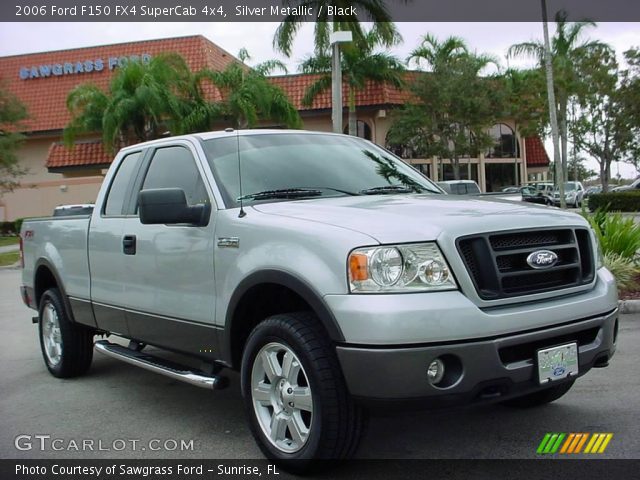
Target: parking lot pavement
117,403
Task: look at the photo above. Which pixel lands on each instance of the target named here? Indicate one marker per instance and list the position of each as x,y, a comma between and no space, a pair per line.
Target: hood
412,218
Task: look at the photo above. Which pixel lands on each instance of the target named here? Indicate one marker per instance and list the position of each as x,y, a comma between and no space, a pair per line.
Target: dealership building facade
59,175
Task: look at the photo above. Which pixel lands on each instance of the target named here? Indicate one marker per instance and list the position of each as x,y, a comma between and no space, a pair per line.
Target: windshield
297,165
569,187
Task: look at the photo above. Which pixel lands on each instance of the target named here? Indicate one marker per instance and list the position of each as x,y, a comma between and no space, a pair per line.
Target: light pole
336,38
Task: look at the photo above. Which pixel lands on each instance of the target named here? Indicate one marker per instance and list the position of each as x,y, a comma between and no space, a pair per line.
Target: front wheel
542,397
67,348
295,397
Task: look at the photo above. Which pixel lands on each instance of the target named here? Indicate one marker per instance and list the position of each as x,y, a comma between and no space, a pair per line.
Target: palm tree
436,54
142,102
247,95
566,49
360,64
447,55
374,10
452,106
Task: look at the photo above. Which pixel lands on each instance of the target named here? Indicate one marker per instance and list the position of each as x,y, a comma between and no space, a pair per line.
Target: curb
15,266
629,306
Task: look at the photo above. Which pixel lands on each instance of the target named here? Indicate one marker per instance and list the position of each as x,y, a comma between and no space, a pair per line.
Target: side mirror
169,206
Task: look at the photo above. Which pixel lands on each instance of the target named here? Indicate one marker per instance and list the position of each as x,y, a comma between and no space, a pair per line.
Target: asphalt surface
118,403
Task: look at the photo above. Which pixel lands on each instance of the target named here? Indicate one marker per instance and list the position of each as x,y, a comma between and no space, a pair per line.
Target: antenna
242,212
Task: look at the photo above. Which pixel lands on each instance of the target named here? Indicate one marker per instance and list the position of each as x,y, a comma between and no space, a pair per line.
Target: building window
468,171
424,168
505,144
363,130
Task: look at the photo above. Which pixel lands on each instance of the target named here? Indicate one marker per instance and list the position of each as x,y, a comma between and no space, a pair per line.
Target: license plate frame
557,363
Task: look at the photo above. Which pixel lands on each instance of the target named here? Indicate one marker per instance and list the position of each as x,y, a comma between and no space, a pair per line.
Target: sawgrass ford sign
79,66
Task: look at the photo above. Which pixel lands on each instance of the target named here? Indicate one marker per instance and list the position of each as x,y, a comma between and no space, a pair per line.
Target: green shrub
616,234
7,228
623,269
615,201
18,225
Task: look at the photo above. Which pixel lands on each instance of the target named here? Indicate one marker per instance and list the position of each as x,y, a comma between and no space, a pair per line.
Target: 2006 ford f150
332,275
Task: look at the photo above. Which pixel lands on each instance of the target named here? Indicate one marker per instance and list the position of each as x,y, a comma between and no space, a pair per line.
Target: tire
67,348
326,424
542,397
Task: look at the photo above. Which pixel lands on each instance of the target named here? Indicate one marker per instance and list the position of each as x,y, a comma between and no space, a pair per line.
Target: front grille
497,262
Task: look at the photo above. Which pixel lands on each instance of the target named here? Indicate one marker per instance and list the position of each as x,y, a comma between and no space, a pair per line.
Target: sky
492,38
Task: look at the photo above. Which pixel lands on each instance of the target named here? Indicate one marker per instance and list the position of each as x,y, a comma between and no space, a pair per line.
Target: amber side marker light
358,270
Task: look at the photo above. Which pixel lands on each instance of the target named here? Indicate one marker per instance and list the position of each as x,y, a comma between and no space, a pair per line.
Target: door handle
129,244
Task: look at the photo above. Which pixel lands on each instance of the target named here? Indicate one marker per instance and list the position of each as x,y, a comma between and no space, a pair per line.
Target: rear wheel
295,397
542,397
67,348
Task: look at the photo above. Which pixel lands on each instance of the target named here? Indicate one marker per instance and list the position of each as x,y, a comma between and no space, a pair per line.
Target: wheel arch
249,305
45,277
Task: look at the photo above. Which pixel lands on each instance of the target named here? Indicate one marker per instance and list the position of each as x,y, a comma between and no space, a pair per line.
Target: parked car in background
469,187
573,194
627,188
592,190
460,187
540,193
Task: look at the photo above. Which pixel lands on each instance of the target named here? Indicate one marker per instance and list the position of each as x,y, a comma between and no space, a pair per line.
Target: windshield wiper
282,193
353,194
387,189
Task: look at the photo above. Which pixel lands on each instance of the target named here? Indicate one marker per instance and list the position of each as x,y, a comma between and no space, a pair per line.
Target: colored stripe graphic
543,443
551,443
582,442
573,443
607,439
556,446
599,443
568,442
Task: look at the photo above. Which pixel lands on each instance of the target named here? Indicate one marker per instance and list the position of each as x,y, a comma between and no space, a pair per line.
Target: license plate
557,363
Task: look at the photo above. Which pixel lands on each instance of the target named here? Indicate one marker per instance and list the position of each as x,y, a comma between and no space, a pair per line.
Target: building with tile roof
59,175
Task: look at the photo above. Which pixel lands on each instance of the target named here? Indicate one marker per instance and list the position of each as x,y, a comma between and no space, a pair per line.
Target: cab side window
175,167
120,185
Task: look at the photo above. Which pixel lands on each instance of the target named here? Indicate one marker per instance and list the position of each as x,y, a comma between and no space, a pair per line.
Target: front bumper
492,369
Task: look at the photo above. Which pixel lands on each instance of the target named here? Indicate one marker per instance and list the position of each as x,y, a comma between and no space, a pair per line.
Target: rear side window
120,185
175,167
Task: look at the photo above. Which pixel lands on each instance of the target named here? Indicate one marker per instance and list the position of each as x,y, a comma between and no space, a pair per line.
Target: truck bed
63,240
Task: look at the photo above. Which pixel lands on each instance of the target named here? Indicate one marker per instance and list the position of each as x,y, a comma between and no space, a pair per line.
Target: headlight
599,255
399,268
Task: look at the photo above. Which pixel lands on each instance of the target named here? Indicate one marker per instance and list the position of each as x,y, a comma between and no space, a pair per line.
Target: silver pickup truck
334,277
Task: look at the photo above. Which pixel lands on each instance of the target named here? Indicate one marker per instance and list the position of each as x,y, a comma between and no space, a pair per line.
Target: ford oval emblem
542,259
558,371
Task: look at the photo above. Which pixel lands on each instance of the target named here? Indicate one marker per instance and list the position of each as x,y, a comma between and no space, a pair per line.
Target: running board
160,365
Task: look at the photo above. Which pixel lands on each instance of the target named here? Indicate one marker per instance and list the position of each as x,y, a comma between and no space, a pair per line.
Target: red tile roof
82,154
536,155
45,98
295,87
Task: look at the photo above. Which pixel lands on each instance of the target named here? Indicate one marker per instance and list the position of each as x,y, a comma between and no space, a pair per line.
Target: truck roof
227,133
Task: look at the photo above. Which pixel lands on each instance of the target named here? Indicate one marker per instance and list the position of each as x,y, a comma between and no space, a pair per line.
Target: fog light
435,372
